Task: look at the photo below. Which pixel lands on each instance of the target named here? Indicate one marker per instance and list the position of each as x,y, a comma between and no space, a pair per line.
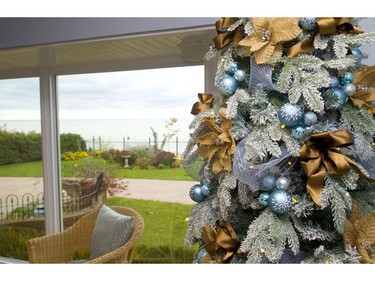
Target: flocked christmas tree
284,150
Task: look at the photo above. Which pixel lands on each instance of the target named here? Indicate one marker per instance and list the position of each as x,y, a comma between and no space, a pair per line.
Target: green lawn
34,169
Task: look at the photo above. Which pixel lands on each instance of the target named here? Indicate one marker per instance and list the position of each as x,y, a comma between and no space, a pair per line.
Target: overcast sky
157,93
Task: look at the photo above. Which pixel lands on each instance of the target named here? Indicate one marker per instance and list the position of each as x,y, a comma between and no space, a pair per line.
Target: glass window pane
21,182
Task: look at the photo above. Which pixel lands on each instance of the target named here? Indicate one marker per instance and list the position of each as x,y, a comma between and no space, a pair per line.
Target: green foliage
26,211
72,142
13,241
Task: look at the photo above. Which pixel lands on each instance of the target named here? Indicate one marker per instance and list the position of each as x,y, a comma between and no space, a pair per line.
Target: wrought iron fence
29,206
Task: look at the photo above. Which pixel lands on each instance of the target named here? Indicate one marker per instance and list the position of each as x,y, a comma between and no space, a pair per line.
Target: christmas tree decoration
290,114
287,150
308,24
282,183
268,183
263,198
280,202
196,193
227,85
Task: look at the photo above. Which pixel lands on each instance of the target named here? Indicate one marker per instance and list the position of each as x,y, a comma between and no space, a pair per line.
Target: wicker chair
60,247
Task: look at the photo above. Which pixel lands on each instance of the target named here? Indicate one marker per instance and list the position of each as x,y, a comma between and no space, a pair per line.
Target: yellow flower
217,145
268,35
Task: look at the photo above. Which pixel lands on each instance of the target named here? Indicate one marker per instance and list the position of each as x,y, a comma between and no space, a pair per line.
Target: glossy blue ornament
201,254
358,54
309,118
308,24
206,189
338,95
346,78
298,132
232,68
349,89
282,183
196,193
268,183
290,114
280,202
239,75
263,198
227,85
334,82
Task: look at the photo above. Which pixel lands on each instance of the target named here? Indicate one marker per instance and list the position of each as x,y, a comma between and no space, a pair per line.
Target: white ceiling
162,49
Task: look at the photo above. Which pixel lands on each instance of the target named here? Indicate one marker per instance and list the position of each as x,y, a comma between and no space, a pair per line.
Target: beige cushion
112,230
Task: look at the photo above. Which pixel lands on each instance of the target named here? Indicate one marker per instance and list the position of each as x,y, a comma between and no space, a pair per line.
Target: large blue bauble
268,183
308,24
290,114
196,193
339,95
227,85
280,202
201,254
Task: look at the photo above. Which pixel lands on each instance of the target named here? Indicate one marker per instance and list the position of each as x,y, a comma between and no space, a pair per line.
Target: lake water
114,133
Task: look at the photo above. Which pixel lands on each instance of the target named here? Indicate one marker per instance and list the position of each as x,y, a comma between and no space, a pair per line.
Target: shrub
72,142
23,212
69,156
116,156
143,162
13,241
165,158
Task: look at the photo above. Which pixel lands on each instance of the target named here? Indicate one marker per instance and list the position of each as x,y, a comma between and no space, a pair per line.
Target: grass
34,169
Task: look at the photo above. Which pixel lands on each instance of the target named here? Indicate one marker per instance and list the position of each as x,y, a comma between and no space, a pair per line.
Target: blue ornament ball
358,54
196,193
268,183
298,132
346,78
282,183
232,68
290,114
239,75
349,89
206,189
308,24
334,82
338,94
201,254
227,85
309,118
263,198
280,202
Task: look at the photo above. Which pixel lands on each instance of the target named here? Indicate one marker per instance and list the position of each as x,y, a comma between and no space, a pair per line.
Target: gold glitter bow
268,34
326,26
360,233
221,241
204,103
225,37
218,144
364,79
321,154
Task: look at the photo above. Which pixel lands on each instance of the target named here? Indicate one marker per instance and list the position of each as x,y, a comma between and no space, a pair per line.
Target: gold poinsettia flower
218,144
268,35
364,80
360,233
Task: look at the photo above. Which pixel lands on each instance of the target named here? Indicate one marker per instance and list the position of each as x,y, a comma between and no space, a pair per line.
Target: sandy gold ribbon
326,26
204,103
225,37
221,241
321,154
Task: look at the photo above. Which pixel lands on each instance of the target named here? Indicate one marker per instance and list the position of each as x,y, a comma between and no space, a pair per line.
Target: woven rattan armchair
60,247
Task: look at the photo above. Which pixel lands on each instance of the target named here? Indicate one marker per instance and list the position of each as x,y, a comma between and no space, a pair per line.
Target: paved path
160,190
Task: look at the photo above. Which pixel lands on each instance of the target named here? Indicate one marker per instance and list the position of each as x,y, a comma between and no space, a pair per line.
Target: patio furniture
83,236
